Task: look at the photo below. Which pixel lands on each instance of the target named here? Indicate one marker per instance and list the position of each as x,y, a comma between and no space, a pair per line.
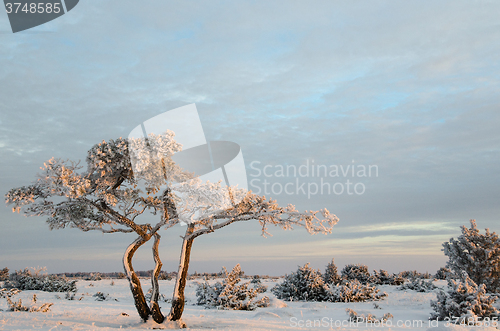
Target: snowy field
118,312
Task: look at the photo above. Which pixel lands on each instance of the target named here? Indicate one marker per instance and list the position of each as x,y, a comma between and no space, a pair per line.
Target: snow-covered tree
356,271
331,275
477,254
464,300
230,293
126,178
306,284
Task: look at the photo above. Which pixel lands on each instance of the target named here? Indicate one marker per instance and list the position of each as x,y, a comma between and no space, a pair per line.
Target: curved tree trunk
178,297
155,308
135,284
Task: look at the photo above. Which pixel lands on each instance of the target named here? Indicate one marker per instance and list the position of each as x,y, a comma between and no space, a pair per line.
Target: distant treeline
147,274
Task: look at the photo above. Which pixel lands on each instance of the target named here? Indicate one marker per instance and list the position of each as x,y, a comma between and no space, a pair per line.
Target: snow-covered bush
258,286
94,276
4,274
305,284
100,296
414,274
383,277
465,300
356,271
229,294
477,254
331,275
18,305
353,291
442,274
355,317
28,280
419,285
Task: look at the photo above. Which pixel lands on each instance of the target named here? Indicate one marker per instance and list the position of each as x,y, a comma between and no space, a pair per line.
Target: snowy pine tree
477,254
306,284
465,300
356,271
331,275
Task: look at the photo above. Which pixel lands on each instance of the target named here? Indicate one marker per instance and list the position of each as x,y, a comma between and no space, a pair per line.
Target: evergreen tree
356,271
306,284
465,300
331,275
477,254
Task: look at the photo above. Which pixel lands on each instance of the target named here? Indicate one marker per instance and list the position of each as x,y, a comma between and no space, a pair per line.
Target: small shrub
258,286
100,296
353,316
94,276
419,285
383,277
4,274
306,284
28,280
356,271
465,300
34,307
229,294
353,291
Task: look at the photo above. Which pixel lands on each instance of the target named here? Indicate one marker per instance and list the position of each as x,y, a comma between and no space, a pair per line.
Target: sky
408,89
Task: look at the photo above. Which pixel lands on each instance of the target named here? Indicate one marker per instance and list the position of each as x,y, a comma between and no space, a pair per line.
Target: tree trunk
180,284
135,284
155,308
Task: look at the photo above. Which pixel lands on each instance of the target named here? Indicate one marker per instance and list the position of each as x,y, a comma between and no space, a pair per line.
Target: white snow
119,312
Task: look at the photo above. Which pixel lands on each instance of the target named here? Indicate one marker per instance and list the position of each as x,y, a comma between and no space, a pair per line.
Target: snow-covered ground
410,310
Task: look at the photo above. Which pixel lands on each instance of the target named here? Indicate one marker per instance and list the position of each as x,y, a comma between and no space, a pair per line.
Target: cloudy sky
410,87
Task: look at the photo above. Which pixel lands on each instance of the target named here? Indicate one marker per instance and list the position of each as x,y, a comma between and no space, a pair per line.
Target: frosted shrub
94,276
100,296
465,300
18,305
477,254
356,271
28,280
443,273
4,274
419,285
355,317
229,294
306,284
258,286
331,275
383,277
353,291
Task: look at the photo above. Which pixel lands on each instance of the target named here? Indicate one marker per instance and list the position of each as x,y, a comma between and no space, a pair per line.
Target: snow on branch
267,212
